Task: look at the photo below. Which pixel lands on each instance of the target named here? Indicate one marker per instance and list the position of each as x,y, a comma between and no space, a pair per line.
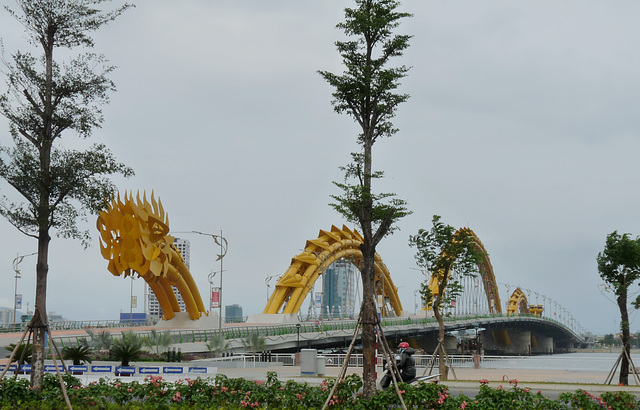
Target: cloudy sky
521,125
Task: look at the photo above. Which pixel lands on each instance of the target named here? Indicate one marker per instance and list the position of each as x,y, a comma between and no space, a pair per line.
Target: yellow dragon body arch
519,305
296,283
134,238
486,274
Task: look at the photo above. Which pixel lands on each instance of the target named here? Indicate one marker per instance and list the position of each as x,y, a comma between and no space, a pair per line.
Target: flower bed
223,392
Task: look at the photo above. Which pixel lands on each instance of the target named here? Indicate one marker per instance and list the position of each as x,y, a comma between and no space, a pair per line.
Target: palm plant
127,348
254,342
97,341
158,342
79,354
21,351
218,344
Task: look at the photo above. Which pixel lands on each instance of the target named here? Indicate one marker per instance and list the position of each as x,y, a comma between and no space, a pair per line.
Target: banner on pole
134,302
215,298
19,301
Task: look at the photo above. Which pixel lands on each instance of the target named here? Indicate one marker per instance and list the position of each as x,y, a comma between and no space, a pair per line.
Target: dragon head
134,236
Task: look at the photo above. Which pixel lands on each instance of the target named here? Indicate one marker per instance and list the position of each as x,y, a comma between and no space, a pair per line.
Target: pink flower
514,382
176,397
483,381
463,405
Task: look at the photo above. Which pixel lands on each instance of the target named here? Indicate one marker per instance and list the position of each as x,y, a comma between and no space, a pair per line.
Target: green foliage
254,342
441,250
365,90
21,351
44,100
78,354
128,348
582,399
619,262
98,341
218,344
223,392
158,342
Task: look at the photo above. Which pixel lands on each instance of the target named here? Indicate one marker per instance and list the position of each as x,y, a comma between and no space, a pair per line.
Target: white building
153,307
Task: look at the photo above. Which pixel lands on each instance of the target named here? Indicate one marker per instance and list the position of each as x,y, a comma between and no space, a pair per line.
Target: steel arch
296,283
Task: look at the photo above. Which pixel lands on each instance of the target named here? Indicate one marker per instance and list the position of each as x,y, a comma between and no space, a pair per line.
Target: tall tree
366,91
43,101
441,250
619,266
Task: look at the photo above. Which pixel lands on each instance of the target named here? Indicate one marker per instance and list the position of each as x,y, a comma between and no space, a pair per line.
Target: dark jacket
407,365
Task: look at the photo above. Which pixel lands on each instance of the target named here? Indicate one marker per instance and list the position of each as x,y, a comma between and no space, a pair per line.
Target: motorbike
387,379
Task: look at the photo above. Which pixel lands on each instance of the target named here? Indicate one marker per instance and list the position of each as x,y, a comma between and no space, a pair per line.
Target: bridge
135,239
523,328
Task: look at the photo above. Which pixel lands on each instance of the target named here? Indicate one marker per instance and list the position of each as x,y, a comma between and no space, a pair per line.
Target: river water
565,361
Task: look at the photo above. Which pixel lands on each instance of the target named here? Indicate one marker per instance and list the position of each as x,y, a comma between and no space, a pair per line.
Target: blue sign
78,368
49,368
197,369
172,370
148,370
125,369
101,369
13,367
26,368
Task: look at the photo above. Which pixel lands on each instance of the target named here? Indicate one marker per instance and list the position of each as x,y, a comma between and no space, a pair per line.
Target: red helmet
403,345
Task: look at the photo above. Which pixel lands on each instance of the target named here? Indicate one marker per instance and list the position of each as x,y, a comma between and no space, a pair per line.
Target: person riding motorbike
406,366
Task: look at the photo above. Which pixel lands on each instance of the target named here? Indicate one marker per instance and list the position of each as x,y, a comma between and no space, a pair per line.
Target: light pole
266,282
298,329
16,262
222,242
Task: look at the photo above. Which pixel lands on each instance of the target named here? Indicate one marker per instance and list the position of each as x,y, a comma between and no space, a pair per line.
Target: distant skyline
521,125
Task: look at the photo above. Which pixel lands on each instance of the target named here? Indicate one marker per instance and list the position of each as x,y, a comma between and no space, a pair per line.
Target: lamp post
222,242
266,282
16,262
298,329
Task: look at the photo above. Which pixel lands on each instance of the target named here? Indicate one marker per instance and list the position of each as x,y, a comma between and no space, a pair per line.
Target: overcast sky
521,125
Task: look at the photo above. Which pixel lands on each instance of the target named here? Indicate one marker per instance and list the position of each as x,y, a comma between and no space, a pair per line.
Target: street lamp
266,282
222,242
298,329
16,262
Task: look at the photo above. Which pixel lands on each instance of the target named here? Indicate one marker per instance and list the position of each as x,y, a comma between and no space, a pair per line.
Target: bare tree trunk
624,324
368,328
442,365
40,320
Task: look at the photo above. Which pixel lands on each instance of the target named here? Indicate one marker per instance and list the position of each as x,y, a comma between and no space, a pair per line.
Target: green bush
223,392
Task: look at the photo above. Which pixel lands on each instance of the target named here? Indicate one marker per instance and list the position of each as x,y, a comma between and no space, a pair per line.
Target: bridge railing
73,325
271,331
422,361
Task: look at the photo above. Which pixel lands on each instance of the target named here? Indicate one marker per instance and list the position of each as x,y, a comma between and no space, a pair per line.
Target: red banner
215,298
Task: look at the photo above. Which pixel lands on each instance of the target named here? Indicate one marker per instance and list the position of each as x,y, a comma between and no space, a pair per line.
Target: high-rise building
153,307
233,313
339,290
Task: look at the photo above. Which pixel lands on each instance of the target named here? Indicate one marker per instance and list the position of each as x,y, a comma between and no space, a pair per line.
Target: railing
20,327
574,362
271,331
